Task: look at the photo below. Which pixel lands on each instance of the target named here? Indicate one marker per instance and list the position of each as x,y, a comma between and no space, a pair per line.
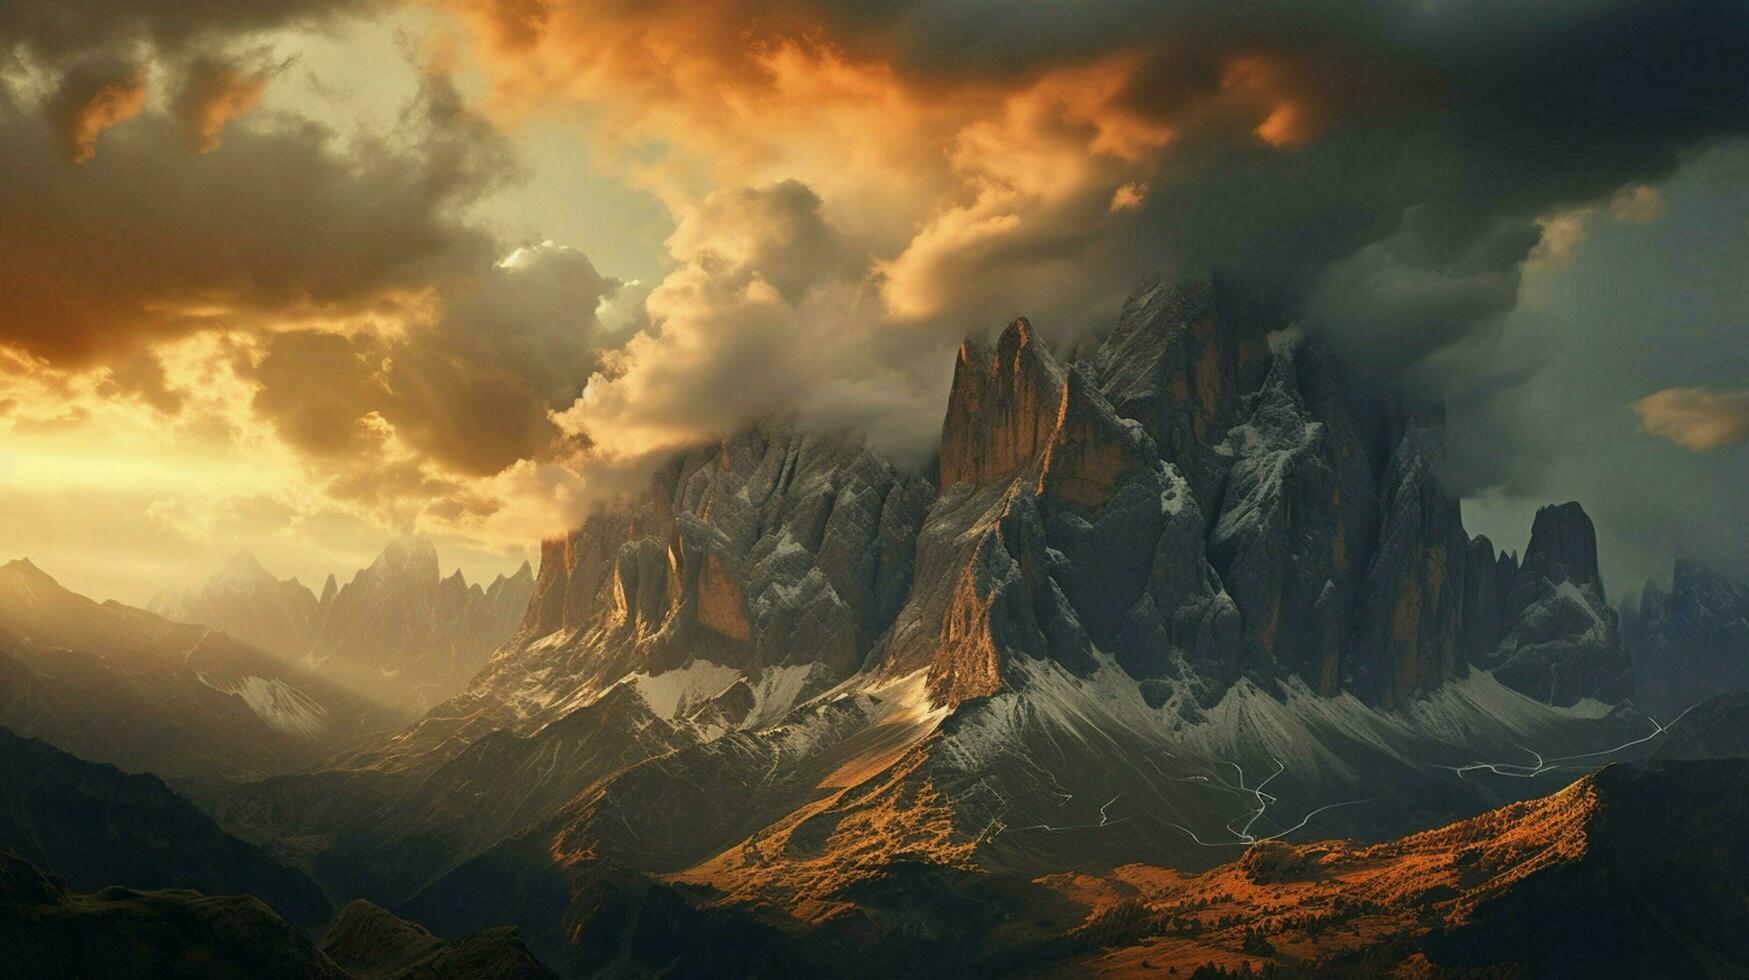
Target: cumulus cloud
1700,419
471,391
764,303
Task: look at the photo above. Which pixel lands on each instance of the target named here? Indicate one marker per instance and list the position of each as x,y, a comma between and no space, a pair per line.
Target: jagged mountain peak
397,629
1692,576
1691,641
242,562
410,635
1201,489
1563,546
412,557
25,568
1006,400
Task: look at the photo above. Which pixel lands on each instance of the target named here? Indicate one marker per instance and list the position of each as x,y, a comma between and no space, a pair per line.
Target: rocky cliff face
780,556
1328,551
1197,499
1059,531
1691,641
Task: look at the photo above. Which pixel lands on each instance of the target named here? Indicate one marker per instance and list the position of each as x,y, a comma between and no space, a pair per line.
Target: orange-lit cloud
91,99
1129,196
1290,114
1700,419
213,93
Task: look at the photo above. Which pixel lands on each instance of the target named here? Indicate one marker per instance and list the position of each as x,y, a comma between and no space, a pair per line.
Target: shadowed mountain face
1191,593
1692,641
1717,728
120,685
49,930
398,631
1560,639
95,825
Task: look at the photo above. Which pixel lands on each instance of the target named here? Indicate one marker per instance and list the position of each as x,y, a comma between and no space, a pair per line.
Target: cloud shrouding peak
1382,170
1700,419
766,307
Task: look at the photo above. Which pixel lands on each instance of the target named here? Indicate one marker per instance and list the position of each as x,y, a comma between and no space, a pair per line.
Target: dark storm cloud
1387,185
1451,129
1443,130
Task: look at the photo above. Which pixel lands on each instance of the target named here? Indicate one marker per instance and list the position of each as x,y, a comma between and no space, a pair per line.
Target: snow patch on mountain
671,692
1478,706
279,705
1317,738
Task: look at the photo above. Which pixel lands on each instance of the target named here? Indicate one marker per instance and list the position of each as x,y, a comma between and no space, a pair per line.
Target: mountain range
398,632
1078,697
1195,590
1690,641
117,684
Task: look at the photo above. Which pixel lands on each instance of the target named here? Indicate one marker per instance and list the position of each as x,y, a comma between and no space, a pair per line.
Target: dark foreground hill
1638,870
95,825
48,930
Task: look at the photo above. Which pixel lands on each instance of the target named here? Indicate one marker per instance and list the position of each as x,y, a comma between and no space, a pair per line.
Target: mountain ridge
791,666
116,684
398,631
